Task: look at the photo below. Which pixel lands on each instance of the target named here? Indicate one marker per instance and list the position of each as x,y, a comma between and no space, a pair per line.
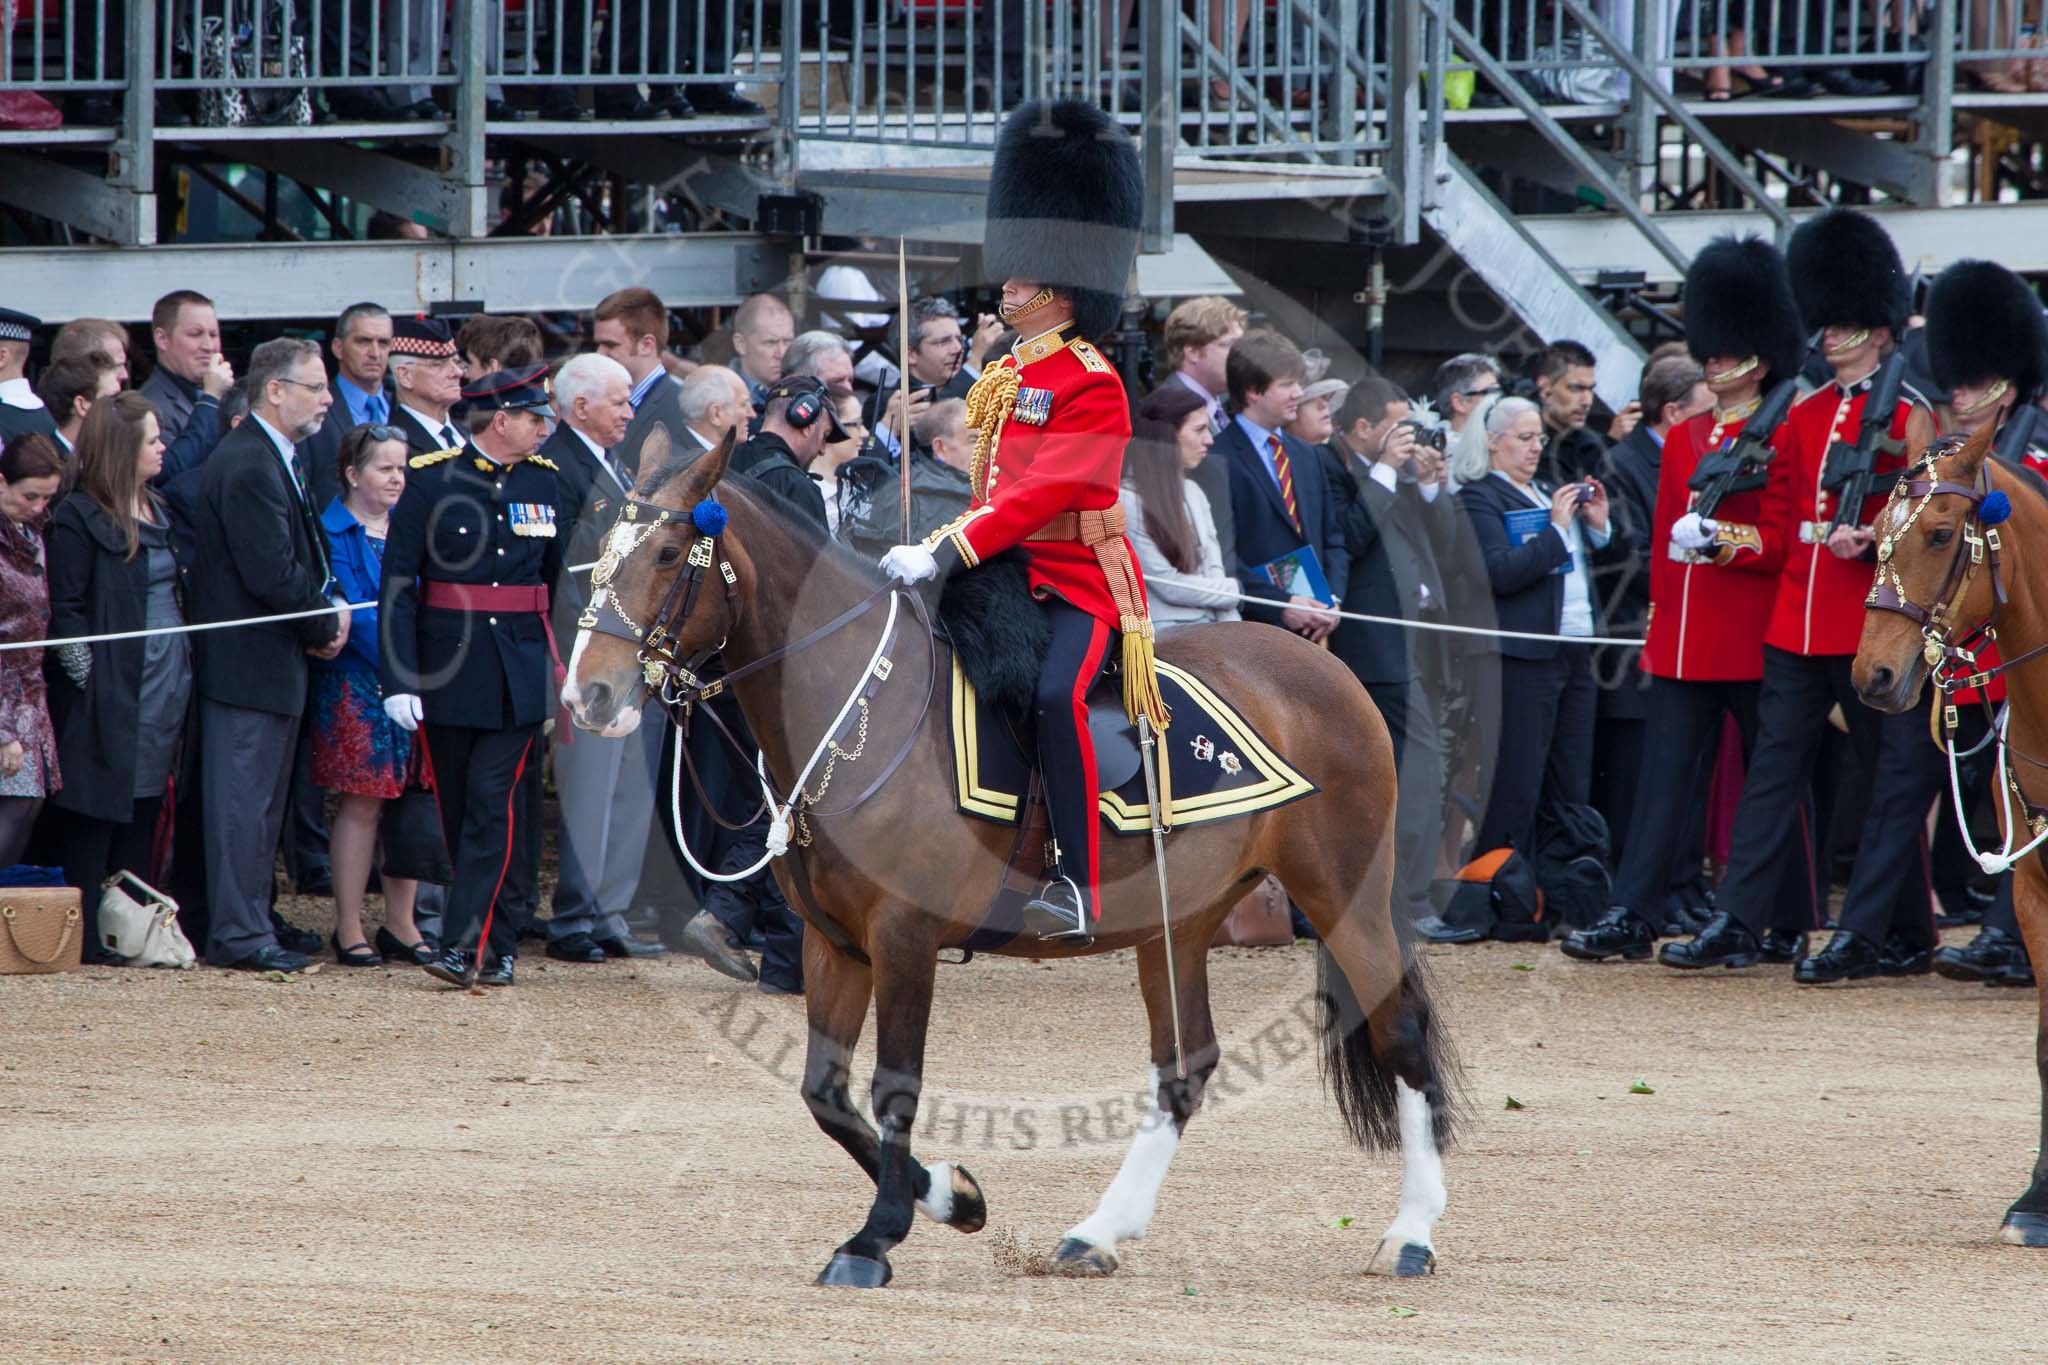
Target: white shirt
17,393
441,430
1209,400
1383,475
1576,618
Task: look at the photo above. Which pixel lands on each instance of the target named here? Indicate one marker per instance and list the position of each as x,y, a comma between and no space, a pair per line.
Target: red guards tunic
1819,609
1708,608
1987,657
1052,423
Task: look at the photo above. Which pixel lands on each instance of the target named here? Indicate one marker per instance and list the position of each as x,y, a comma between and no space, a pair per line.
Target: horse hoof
1079,1258
1404,1259
2025,1230
970,1210
846,1271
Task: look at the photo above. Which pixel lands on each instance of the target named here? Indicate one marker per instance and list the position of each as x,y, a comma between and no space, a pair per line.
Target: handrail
1645,82
1555,133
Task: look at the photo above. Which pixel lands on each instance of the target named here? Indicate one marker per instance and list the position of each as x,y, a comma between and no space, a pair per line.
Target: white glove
1693,532
404,710
910,564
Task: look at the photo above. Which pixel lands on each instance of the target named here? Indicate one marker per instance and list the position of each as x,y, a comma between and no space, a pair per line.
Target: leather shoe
355,954
2020,974
1901,956
1622,933
318,881
289,936
500,111
630,947
1838,81
635,110
1783,946
1849,956
450,965
767,987
271,958
396,949
560,108
724,101
1983,958
1725,942
575,948
705,937
497,972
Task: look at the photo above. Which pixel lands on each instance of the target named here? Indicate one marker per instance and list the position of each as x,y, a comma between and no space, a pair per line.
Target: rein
678,685
1952,659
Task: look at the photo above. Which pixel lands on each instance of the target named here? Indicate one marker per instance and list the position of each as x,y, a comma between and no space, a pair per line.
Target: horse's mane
814,548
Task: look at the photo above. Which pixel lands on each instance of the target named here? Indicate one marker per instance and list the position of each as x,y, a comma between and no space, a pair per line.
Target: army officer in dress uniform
468,654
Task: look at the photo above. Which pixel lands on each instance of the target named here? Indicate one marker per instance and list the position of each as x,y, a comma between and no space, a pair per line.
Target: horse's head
642,604
1933,580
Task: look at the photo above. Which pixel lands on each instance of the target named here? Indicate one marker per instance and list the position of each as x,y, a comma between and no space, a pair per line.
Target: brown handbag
41,929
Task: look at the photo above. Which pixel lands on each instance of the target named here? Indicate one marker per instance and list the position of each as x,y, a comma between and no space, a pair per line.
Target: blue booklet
1298,573
1525,524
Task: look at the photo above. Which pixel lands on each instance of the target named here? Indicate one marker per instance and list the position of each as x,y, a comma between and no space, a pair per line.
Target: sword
903,389
1147,745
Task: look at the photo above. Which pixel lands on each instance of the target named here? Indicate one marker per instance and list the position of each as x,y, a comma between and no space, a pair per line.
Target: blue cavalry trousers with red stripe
1066,755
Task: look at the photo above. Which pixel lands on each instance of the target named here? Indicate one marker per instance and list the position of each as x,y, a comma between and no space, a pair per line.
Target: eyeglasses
381,433
1478,393
301,383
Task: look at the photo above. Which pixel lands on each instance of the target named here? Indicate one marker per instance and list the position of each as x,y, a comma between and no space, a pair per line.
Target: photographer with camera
1400,521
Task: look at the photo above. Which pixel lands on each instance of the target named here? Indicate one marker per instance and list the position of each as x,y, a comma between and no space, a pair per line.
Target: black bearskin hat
1738,301
1985,323
1065,199
1846,273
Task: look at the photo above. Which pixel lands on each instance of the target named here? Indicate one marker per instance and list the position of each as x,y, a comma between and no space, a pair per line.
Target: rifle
1744,463
1850,469
2016,435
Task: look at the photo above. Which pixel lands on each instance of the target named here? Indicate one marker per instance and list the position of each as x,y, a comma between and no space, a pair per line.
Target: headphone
807,406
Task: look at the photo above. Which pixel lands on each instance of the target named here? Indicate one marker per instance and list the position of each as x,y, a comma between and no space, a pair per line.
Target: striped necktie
1283,472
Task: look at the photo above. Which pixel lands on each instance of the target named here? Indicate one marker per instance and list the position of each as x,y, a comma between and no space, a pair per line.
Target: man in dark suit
1198,336
1672,391
1279,498
606,784
260,554
1400,522
426,375
631,327
190,378
362,356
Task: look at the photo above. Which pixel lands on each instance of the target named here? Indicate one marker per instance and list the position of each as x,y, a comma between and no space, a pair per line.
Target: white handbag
140,924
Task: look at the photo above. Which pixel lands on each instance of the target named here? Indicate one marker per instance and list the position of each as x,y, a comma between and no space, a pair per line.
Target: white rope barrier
1443,627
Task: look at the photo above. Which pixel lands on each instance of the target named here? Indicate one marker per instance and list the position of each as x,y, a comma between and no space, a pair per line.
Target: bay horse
885,884
1956,561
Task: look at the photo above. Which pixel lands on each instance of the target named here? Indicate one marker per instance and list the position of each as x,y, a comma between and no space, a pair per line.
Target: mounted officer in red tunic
1051,422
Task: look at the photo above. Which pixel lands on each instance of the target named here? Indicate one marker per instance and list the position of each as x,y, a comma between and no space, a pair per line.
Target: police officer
1052,421
20,409
1987,345
468,655
1711,585
1853,290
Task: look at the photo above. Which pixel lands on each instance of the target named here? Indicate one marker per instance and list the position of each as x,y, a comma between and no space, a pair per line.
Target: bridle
1952,658
678,683
675,682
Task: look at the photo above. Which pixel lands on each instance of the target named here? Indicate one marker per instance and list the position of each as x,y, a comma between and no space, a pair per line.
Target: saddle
1215,764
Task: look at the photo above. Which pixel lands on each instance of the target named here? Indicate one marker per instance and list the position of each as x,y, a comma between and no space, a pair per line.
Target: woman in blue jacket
358,753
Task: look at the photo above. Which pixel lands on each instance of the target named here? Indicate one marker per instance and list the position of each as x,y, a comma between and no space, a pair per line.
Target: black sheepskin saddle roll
998,632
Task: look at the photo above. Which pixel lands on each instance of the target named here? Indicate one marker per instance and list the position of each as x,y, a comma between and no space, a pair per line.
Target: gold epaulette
544,462
434,458
1089,357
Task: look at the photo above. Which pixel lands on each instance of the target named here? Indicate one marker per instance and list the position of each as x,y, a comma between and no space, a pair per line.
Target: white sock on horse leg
937,1203
1127,1205
1422,1170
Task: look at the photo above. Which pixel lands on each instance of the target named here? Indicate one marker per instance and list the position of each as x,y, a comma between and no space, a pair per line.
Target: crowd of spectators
1485,498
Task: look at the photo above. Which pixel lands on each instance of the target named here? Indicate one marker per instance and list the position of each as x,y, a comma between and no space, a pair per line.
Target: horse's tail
1361,1063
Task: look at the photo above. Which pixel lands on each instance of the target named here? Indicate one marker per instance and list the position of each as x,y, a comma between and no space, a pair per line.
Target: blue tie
376,410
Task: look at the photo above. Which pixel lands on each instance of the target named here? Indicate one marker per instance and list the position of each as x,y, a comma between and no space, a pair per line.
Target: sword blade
1147,747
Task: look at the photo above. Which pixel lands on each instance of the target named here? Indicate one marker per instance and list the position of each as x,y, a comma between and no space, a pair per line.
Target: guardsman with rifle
1712,576
1987,344
1854,292
469,653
